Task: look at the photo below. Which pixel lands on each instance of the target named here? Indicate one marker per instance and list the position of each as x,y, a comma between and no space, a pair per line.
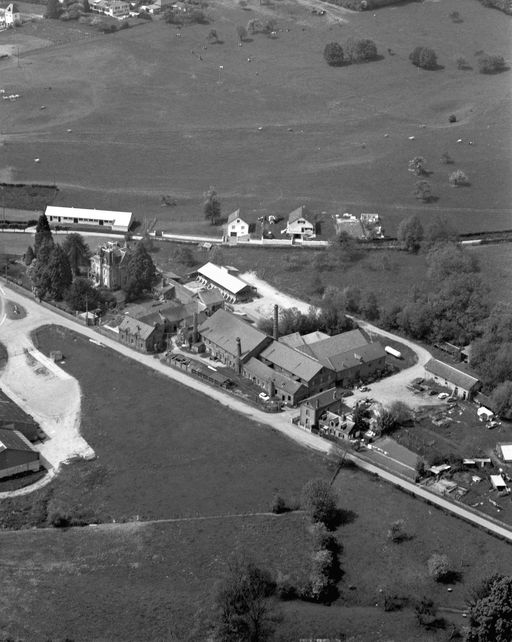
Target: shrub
424,57
279,505
319,501
452,118
439,567
397,532
333,54
458,179
489,64
395,602
363,50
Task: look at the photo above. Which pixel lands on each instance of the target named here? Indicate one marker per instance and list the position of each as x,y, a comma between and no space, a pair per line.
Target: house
298,366
504,452
211,299
230,286
312,408
113,8
141,336
17,455
298,226
350,355
236,227
276,384
66,216
10,16
462,384
108,267
340,427
231,340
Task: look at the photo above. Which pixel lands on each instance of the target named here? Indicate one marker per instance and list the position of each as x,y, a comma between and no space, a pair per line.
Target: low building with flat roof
66,216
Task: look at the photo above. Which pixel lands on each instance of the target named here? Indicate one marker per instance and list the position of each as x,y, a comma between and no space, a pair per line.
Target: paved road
282,422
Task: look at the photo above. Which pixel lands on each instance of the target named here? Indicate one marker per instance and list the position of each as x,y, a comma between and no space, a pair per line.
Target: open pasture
153,114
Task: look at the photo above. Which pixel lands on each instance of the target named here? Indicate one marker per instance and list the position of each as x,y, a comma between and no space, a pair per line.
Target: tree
488,64
82,295
417,166
51,274
43,234
362,50
386,422
423,191
29,255
52,9
502,398
319,501
344,248
211,205
401,413
410,234
213,37
458,179
241,32
370,307
449,258
333,54
352,298
491,354
77,251
423,57
397,532
439,567
438,230
359,417
491,617
462,63
140,272
243,607
254,26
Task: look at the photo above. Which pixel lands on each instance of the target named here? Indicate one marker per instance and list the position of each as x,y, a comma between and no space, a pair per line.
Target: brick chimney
275,327
195,334
238,359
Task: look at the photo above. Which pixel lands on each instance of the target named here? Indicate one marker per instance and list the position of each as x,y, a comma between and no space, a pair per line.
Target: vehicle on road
263,396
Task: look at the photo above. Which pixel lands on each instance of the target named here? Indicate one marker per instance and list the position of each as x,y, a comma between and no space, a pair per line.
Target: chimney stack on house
238,360
275,327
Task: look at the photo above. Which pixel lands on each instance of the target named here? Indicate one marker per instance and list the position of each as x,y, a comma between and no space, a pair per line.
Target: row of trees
354,51
331,319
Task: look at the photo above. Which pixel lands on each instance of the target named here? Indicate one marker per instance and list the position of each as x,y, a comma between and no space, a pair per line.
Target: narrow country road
39,315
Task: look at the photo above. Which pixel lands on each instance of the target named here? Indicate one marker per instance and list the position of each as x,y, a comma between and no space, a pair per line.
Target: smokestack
238,359
195,337
275,328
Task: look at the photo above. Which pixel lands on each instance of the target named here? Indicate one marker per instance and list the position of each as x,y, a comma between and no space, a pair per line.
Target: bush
458,179
424,57
363,50
279,505
439,568
452,118
394,602
488,64
319,501
333,54
397,532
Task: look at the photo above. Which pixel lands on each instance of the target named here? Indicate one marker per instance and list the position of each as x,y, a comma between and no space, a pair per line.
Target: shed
498,482
484,414
505,452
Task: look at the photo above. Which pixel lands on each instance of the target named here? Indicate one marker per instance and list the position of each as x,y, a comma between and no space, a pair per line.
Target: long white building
116,221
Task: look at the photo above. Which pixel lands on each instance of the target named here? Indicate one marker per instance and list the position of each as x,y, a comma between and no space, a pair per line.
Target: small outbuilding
461,383
504,451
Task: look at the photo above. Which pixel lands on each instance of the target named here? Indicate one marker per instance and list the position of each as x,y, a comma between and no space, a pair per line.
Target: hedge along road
40,315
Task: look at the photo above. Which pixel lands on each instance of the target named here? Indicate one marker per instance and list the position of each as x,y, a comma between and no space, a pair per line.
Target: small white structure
394,353
236,227
505,452
498,482
484,414
298,226
116,221
231,287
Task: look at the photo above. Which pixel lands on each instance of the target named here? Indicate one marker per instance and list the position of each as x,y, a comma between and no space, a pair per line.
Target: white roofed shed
116,221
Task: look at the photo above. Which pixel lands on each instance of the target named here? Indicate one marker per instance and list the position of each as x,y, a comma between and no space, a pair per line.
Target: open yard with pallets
269,123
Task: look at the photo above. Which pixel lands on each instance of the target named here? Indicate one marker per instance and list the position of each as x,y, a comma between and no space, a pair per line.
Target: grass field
155,119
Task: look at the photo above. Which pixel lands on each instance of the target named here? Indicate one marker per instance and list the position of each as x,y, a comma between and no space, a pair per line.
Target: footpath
43,315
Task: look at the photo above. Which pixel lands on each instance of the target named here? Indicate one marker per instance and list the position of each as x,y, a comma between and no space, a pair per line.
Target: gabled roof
295,339
234,215
222,278
255,367
210,297
296,214
14,440
136,326
223,328
454,375
324,399
291,360
335,345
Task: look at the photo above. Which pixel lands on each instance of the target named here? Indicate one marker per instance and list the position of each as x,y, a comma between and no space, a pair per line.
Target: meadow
269,123
159,458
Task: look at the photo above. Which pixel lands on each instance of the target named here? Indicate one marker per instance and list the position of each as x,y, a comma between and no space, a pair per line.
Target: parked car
443,395
263,396
364,389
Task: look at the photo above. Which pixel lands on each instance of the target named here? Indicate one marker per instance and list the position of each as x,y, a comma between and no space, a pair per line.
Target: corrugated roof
257,368
14,440
454,375
222,278
291,360
222,329
136,326
122,219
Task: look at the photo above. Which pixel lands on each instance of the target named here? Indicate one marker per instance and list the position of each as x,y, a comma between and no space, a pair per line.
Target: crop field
153,114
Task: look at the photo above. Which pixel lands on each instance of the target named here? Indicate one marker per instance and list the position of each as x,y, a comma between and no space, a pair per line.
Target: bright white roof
506,452
123,219
222,277
497,481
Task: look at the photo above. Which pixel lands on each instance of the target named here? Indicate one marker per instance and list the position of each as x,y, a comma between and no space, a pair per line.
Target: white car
443,395
263,396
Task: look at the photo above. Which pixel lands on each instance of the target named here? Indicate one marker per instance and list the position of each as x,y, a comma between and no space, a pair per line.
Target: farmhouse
339,426
141,336
10,16
236,227
312,408
65,216
108,267
232,340
298,226
16,454
350,355
230,286
113,8
298,366
461,383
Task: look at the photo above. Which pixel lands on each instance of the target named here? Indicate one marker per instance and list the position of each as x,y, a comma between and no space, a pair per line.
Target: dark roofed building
312,408
142,336
461,383
12,417
16,454
337,344
276,384
295,339
220,333
211,299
